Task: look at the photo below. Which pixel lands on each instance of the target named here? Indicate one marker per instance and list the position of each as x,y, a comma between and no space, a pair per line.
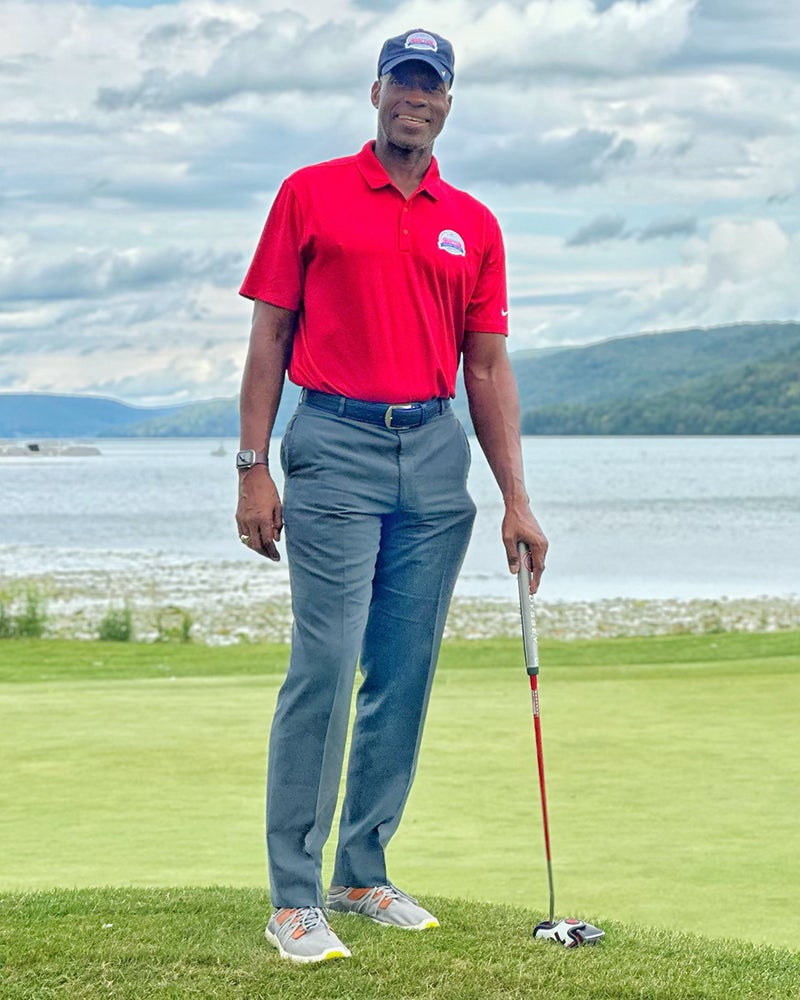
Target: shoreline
232,602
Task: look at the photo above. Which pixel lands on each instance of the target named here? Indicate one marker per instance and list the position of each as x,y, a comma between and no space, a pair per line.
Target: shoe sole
324,956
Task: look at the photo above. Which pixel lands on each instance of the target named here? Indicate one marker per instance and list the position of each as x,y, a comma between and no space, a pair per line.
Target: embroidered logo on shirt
422,40
452,243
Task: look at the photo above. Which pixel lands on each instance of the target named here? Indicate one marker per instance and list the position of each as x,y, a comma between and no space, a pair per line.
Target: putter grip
526,612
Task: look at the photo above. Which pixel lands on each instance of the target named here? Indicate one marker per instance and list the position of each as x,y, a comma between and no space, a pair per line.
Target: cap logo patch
423,41
452,243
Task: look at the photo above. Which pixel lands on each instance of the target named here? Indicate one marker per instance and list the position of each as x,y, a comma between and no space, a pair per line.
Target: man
371,280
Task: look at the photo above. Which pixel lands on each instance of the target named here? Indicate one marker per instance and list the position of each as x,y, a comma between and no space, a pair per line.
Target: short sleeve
276,273
487,311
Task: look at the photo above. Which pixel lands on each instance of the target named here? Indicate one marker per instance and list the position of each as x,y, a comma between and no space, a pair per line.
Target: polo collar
374,173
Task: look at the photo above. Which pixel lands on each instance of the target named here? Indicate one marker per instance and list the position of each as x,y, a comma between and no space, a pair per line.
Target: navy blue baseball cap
418,44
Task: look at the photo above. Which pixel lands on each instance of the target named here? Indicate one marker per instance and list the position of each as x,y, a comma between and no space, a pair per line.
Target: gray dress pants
377,522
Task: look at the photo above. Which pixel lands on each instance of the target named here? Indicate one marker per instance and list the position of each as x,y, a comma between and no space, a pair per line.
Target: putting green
672,787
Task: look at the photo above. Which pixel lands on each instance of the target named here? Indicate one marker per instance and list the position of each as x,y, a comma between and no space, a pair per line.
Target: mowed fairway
672,769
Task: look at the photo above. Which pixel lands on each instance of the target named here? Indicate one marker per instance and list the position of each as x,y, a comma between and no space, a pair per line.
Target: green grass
28,661
671,768
200,943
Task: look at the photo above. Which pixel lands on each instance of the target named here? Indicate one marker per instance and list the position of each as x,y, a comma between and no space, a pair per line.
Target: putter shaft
531,647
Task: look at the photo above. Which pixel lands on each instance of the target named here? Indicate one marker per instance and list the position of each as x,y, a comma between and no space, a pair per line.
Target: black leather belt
391,415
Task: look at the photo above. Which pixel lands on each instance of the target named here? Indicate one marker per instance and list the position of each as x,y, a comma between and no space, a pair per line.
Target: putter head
570,932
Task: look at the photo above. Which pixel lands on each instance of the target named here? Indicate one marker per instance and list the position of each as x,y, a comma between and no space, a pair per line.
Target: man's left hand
519,525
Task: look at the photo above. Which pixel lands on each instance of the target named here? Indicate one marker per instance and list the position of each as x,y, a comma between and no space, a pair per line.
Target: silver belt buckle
387,417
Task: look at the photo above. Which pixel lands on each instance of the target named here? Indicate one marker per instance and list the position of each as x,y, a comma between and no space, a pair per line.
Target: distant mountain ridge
755,398
646,364
52,415
739,379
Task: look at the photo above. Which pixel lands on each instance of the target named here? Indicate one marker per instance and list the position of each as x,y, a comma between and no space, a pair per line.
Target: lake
648,518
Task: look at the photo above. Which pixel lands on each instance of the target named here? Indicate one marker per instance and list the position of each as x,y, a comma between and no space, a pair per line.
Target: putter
569,932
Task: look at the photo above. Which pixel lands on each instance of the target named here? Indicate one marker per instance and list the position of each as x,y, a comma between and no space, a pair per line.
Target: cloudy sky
642,157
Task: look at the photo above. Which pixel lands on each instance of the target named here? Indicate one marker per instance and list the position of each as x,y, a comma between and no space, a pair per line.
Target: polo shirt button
405,232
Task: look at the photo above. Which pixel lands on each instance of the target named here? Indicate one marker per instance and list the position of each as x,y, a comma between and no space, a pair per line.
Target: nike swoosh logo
504,312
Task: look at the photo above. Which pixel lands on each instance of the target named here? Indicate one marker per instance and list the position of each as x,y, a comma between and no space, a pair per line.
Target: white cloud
93,274
573,36
742,252
742,270
284,50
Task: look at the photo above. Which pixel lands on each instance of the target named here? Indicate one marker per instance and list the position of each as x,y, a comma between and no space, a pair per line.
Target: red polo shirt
385,287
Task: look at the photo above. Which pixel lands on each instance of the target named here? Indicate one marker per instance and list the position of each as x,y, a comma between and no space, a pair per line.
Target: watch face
245,459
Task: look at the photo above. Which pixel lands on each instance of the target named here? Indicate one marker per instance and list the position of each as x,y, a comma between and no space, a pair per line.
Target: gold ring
244,538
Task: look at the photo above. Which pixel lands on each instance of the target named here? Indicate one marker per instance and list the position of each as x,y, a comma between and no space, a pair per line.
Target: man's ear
375,93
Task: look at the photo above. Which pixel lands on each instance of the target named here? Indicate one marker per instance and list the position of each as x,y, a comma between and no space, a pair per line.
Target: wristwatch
248,458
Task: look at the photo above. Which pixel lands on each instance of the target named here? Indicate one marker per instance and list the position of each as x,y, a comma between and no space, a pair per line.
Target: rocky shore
234,602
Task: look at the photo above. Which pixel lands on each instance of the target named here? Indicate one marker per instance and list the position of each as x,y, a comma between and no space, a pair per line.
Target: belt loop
342,406
302,398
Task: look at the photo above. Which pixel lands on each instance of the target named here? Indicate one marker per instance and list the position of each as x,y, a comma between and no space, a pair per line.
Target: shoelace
392,892
310,917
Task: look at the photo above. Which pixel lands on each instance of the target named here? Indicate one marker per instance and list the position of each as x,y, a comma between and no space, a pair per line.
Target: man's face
413,102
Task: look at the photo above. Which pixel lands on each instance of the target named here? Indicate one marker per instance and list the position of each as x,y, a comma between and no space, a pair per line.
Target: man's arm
494,408
259,514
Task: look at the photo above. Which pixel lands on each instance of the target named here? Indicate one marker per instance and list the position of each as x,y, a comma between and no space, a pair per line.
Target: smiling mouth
412,120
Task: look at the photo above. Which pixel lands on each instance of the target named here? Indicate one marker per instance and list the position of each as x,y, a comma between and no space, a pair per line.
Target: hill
755,398
741,379
217,418
647,364
50,415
